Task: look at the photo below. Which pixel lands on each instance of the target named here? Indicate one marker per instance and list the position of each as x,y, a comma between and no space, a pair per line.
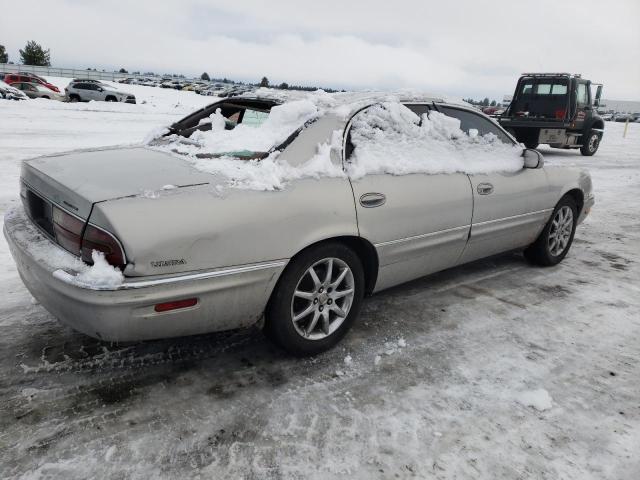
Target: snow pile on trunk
390,138
44,251
100,274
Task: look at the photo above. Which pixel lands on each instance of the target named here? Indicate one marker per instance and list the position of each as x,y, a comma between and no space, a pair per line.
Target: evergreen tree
122,70
264,82
485,102
34,54
283,86
493,103
4,56
205,77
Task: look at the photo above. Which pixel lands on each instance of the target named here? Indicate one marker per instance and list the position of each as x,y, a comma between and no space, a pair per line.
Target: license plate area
552,135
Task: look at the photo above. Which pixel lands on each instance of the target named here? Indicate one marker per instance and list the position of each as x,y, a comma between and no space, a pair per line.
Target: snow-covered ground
494,370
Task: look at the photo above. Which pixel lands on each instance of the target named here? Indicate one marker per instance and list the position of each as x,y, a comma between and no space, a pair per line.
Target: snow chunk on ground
390,138
538,399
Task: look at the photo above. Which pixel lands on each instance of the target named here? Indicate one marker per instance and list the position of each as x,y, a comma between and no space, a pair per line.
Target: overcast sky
458,47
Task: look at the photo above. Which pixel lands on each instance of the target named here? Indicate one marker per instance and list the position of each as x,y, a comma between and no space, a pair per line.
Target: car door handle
485,188
370,200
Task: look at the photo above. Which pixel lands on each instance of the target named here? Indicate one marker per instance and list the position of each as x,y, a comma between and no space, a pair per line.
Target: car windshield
238,128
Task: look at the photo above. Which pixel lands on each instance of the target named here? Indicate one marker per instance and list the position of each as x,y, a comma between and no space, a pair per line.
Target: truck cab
558,109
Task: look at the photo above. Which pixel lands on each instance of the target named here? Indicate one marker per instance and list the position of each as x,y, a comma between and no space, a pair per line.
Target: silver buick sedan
148,242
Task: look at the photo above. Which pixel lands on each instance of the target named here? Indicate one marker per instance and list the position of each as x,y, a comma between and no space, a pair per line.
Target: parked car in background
87,91
607,117
622,117
7,92
236,90
23,77
196,261
36,90
88,80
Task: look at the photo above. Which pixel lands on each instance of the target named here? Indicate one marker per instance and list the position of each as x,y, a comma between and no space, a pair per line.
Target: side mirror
532,158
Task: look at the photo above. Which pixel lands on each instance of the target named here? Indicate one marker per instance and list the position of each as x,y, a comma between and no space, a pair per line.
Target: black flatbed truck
557,109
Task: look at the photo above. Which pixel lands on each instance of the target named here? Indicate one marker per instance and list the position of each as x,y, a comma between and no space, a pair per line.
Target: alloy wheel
322,298
560,231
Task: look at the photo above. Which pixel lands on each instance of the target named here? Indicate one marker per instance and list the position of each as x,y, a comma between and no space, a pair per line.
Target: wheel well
598,124
578,196
365,251
110,97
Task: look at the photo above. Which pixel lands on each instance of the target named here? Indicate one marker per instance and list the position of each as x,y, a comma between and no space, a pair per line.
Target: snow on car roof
412,143
345,104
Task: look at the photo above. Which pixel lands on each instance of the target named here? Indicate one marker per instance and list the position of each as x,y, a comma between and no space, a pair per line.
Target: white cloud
456,47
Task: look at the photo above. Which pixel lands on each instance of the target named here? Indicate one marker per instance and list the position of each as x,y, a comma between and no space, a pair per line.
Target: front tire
553,243
316,300
590,147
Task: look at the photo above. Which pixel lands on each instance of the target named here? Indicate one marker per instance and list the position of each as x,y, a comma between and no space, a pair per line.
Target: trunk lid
77,180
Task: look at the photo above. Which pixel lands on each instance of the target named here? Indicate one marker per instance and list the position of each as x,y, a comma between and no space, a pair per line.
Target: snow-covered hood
77,180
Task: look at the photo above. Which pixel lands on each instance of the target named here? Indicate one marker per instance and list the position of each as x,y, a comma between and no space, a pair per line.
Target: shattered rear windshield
241,128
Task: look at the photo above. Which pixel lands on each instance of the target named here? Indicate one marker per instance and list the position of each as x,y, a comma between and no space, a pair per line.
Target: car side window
80,86
418,109
473,121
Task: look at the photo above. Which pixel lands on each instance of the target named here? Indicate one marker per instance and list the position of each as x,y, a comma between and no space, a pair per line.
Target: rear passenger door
418,223
509,208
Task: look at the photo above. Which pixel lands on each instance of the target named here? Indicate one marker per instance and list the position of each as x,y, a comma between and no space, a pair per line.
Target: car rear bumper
227,298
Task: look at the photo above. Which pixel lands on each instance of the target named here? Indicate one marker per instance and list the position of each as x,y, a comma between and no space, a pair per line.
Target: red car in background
24,77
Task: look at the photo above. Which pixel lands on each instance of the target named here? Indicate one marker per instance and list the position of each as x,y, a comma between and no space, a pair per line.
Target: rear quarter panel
210,228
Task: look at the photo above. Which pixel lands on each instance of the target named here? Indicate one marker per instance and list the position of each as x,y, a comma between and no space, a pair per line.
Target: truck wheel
316,300
553,243
590,147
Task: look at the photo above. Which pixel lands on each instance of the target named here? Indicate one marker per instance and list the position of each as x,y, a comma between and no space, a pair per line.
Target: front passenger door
509,208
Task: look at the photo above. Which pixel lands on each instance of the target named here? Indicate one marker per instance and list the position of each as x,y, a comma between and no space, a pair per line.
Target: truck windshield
554,86
542,98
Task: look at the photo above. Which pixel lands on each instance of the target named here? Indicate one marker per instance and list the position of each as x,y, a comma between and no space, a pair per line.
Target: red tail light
165,307
67,230
560,114
97,239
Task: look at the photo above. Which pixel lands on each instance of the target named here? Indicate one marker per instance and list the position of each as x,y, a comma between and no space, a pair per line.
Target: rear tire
553,243
110,99
590,147
309,313
74,98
